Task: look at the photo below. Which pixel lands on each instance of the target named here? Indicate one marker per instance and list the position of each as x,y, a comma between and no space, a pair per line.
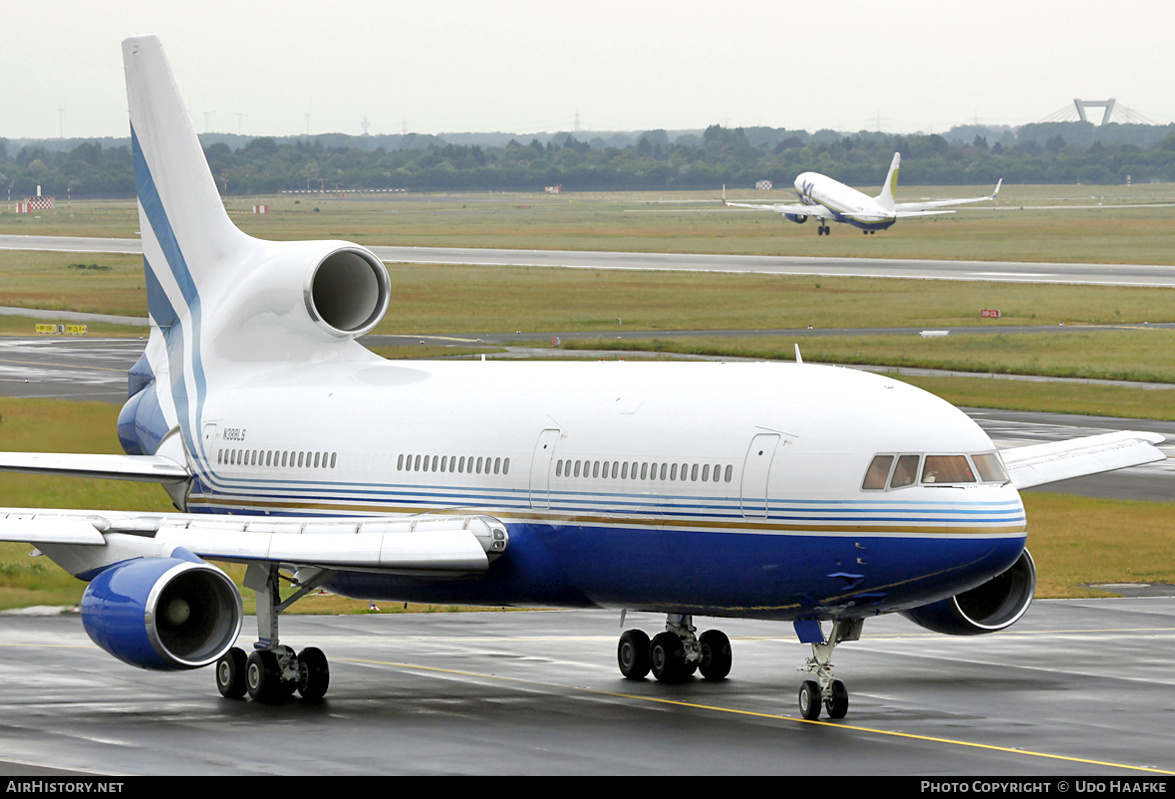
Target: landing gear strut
825,690
272,672
674,655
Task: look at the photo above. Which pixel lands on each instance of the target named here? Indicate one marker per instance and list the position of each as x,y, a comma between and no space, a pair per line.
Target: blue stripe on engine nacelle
164,614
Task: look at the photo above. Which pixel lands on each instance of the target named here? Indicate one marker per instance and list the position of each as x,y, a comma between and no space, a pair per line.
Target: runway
1001,271
539,693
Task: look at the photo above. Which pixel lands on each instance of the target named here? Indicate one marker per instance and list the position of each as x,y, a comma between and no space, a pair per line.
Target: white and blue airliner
827,200
812,495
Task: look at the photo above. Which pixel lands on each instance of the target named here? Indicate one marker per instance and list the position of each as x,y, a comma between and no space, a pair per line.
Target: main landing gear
823,230
676,654
825,690
272,672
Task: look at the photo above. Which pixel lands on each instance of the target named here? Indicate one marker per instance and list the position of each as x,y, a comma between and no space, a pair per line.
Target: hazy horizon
521,66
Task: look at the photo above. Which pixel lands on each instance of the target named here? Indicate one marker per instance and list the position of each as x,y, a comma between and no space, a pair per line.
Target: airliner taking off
813,495
829,200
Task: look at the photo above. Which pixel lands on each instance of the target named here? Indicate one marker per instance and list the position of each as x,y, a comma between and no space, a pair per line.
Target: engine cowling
799,219
165,614
347,291
996,605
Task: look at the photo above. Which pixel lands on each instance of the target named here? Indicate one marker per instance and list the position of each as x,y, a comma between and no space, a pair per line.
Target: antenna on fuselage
799,358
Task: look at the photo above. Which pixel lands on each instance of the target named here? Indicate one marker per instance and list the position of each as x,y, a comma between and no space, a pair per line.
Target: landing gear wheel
313,673
667,658
810,700
230,674
633,654
263,677
837,705
716,655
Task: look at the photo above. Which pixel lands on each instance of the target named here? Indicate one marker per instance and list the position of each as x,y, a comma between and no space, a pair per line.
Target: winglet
886,198
999,183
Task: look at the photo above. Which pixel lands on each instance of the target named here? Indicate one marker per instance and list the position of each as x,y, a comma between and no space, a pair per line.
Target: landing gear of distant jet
674,655
826,690
272,672
823,230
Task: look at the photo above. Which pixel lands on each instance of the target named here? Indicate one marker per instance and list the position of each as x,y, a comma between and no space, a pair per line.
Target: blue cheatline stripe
322,490
156,214
667,508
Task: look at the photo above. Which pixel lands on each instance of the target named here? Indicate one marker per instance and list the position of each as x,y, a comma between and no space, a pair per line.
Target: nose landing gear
825,690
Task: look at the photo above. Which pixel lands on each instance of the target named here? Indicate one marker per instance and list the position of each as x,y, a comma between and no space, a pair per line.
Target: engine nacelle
996,605
307,291
799,219
164,614
347,291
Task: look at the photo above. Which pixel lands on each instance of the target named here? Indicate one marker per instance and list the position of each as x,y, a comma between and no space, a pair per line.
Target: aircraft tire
632,654
667,658
230,674
810,700
263,677
838,704
313,673
716,656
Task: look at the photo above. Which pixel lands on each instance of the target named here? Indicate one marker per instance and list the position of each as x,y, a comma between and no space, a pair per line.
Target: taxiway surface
539,693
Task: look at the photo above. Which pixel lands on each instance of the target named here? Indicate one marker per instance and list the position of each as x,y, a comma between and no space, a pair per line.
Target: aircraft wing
932,204
798,209
423,544
144,468
1038,464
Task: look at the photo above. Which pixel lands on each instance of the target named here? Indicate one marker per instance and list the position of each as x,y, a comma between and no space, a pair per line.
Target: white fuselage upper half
744,436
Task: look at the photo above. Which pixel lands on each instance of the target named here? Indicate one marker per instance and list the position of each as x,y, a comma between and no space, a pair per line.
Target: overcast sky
260,67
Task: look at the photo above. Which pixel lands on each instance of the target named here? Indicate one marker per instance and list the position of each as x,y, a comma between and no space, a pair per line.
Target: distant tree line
1058,152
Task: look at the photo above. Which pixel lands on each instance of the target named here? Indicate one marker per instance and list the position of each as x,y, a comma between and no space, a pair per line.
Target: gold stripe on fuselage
1014,527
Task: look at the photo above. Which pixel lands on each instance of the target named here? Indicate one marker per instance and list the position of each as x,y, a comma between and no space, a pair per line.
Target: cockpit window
947,469
906,471
990,468
878,471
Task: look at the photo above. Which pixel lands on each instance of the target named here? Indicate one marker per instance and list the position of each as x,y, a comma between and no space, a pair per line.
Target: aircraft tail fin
216,296
886,198
185,229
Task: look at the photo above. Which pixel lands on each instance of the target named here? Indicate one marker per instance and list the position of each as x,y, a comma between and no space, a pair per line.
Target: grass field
1029,223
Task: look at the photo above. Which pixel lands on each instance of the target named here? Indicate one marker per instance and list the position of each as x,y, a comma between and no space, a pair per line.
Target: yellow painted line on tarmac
774,716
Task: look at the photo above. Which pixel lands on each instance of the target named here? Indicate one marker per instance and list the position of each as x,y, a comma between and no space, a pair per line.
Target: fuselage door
756,470
540,469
